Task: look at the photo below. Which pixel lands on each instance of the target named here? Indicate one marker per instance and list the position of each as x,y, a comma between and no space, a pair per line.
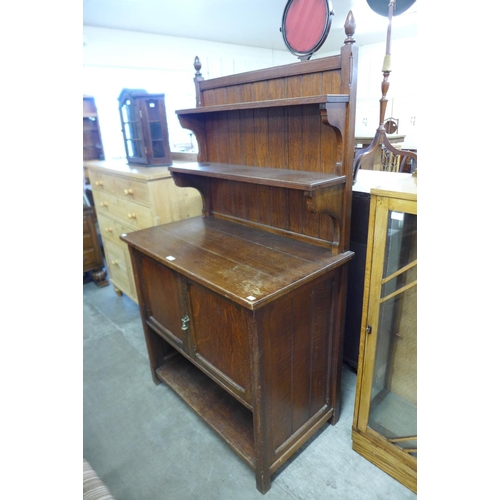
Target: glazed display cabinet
385,412
144,127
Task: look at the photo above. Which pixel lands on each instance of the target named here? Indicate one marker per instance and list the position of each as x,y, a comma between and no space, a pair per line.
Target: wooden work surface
369,179
405,189
121,167
235,260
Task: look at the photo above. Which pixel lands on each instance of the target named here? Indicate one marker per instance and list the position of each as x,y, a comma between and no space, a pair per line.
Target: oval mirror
305,26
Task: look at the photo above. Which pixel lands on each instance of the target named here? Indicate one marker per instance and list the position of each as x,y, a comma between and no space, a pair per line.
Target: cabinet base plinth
384,460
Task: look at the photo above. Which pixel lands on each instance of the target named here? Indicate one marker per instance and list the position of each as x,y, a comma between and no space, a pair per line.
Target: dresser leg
118,292
263,480
338,309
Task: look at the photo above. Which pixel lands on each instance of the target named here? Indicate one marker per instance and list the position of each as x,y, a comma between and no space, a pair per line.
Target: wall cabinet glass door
132,131
385,419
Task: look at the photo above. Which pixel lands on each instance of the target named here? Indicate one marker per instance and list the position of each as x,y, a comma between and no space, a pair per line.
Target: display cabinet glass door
132,131
391,340
154,128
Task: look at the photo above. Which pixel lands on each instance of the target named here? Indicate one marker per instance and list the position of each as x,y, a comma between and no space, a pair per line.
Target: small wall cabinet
385,411
144,127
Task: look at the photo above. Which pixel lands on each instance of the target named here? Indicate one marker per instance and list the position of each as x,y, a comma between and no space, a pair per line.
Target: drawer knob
104,203
132,216
114,262
128,191
109,229
98,183
184,320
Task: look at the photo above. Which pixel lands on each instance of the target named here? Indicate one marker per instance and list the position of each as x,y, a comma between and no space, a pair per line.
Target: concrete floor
146,444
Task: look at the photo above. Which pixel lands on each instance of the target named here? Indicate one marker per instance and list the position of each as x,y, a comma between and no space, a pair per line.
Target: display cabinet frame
387,355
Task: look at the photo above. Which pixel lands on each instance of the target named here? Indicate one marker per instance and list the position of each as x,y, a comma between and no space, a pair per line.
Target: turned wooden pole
386,68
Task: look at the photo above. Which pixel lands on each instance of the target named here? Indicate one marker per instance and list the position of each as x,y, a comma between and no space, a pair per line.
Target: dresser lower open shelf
224,414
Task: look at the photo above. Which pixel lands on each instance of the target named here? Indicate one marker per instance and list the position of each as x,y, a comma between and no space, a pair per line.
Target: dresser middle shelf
304,205
128,198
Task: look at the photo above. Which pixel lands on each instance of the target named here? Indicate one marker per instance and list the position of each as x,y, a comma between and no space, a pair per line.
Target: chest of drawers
128,198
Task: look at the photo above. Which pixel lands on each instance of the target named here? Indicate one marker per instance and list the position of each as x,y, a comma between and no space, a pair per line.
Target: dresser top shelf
270,103
276,177
247,265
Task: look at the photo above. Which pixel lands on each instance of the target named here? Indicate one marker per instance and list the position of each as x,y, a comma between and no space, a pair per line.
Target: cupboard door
391,408
296,338
165,308
219,335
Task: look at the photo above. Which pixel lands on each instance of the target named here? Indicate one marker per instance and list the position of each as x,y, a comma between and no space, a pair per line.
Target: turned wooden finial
197,79
197,66
350,28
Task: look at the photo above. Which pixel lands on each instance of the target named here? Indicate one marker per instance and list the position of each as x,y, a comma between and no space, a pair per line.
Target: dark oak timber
243,307
271,103
302,180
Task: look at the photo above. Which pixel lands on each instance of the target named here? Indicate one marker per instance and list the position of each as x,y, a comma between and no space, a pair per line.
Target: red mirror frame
305,26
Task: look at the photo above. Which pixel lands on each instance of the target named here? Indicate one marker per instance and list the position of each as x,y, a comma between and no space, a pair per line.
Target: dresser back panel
278,208
321,76
283,137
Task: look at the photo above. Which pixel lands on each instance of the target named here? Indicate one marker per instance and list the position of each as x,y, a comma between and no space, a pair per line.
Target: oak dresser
243,307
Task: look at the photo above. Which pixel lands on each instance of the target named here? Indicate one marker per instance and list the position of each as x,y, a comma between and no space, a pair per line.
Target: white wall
402,94
116,59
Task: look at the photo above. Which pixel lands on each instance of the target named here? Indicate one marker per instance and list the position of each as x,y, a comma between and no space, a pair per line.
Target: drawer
112,229
132,190
101,182
88,241
119,267
132,214
86,226
91,259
